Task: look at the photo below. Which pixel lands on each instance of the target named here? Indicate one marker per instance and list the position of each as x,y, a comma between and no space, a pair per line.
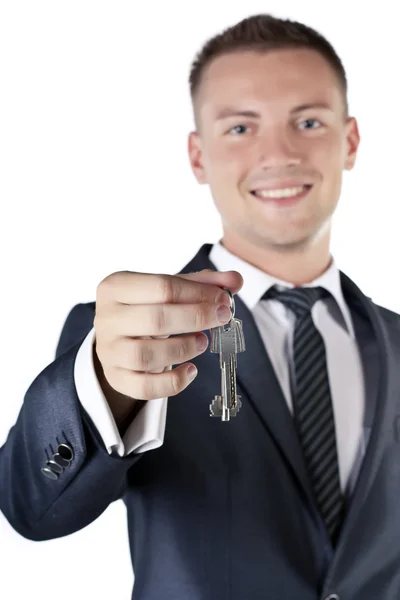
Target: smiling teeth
285,193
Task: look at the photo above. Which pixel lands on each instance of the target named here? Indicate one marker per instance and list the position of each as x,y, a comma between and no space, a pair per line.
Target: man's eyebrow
302,107
228,111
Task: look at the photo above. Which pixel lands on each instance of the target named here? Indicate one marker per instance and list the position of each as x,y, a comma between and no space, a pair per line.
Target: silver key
227,340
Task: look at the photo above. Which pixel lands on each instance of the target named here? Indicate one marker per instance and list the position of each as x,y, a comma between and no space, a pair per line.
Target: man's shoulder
91,305
388,314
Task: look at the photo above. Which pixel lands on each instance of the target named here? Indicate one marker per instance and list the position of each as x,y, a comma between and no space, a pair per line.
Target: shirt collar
257,282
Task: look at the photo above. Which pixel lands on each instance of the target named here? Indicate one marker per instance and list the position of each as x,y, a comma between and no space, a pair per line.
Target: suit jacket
221,511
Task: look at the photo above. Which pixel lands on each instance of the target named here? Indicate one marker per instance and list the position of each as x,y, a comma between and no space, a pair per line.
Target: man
295,497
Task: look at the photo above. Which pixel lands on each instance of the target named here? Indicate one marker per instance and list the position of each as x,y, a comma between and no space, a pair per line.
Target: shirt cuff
146,431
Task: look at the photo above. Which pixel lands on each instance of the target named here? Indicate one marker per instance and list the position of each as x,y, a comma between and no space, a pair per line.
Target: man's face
283,145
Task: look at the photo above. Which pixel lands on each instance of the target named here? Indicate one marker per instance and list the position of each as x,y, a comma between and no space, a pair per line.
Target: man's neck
297,267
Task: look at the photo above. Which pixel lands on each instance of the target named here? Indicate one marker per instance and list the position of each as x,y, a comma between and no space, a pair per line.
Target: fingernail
201,341
192,372
224,298
224,314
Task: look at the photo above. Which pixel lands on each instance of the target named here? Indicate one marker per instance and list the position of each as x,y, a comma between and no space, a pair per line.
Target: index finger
127,287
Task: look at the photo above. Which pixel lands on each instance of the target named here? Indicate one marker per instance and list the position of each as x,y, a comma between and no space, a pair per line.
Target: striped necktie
312,405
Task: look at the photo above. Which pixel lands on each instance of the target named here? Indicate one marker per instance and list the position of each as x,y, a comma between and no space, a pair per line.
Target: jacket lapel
262,390
259,386
386,332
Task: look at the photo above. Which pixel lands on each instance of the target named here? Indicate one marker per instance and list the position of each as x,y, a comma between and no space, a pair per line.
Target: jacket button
332,597
49,473
59,460
65,451
54,466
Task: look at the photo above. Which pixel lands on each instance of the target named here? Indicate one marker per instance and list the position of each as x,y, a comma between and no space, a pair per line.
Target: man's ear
195,157
353,141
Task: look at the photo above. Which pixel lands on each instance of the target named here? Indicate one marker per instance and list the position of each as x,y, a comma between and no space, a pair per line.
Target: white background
95,178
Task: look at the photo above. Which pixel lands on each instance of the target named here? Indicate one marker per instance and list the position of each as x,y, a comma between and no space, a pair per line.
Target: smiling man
297,496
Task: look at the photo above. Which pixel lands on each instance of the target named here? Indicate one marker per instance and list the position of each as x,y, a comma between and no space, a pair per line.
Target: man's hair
260,33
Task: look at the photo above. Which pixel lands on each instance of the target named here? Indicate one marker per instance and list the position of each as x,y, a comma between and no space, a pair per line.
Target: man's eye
237,127
309,123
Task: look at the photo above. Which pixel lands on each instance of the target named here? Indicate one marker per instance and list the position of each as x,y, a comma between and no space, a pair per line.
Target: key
227,340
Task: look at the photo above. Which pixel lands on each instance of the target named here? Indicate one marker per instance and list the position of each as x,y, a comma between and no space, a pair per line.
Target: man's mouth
282,193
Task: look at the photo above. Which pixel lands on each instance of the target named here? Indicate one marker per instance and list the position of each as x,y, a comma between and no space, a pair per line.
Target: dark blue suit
221,511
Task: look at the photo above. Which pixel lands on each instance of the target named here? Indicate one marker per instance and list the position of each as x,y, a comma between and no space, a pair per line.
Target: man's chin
289,243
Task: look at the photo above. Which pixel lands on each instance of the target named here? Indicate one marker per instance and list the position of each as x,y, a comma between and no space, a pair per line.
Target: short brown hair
261,33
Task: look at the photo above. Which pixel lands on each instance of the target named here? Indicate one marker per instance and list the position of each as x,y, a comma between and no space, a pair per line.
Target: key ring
232,305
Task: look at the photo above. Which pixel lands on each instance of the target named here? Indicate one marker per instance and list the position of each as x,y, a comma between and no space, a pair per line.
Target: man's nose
278,149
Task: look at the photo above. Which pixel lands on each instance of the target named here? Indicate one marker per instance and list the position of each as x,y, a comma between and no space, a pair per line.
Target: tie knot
299,299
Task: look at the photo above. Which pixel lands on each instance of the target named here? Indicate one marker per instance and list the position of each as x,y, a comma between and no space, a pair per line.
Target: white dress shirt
275,322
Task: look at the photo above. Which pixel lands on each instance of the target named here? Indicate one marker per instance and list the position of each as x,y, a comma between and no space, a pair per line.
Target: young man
297,495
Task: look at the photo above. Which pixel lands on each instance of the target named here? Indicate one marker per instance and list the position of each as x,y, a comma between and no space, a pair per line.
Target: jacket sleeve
56,476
